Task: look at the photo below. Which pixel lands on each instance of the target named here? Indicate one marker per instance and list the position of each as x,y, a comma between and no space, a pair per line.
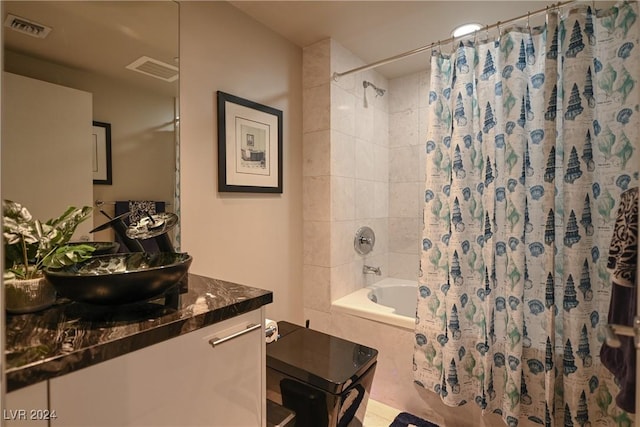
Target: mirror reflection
69,66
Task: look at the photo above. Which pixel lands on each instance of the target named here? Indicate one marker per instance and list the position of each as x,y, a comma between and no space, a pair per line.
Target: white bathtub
390,301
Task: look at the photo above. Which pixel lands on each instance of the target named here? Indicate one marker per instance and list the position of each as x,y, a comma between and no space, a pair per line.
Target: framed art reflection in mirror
101,157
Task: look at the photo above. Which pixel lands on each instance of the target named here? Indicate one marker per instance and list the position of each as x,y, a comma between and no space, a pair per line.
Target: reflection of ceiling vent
154,68
25,26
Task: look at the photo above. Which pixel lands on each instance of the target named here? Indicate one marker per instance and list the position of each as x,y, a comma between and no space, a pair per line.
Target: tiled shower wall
346,177
408,98
362,166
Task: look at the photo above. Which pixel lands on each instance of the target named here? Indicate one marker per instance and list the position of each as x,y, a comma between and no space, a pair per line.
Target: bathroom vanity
197,358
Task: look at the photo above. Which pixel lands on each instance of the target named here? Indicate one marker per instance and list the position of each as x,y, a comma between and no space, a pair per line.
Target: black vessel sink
120,278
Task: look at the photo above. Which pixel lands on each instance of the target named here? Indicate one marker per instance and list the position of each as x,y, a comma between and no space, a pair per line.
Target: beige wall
253,239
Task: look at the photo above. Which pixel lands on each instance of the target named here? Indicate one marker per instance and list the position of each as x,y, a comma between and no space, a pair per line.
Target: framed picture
249,146
101,153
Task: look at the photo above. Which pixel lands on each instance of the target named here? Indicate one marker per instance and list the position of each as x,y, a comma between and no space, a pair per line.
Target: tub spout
367,269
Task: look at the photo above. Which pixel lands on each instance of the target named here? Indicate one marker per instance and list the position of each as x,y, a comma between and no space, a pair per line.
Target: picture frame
249,146
101,154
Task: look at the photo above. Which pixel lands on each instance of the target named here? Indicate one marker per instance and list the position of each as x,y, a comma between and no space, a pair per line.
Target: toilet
324,380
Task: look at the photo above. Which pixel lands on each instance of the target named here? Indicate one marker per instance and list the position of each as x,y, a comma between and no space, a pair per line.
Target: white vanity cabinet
26,407
184,381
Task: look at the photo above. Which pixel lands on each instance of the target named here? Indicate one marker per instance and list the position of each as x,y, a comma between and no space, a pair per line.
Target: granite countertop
71,336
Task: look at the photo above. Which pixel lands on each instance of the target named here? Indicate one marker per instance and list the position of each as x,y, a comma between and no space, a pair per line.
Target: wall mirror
111,62
64,53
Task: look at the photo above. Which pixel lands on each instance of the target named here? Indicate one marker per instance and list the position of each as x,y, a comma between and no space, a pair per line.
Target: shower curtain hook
528,22
499,29
546,17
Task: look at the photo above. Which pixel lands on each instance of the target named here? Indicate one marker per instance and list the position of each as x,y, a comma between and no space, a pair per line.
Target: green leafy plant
31,245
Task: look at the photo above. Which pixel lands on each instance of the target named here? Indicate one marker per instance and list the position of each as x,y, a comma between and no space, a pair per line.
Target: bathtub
390,301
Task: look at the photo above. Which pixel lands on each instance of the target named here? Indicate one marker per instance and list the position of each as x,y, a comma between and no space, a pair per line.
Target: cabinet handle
250,327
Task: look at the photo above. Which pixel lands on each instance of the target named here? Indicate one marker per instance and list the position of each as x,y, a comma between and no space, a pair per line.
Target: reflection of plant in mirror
31,245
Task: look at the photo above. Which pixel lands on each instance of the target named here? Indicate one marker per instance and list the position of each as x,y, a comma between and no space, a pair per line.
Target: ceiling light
465,29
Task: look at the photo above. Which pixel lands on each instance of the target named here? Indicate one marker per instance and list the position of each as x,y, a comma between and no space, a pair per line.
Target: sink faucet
367,269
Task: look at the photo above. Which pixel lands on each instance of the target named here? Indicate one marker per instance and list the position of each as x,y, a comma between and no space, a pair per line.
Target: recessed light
465,29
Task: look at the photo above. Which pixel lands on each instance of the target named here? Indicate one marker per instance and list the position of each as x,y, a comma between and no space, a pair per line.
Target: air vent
27,27
154,68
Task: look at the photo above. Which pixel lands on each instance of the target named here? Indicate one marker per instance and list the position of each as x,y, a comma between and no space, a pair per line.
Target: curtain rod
498,24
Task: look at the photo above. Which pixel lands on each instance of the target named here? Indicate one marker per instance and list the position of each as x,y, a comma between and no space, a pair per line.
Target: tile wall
345,177
408,98
362,166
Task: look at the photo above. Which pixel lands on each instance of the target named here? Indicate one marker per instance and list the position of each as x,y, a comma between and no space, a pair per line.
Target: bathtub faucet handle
367,269
365,240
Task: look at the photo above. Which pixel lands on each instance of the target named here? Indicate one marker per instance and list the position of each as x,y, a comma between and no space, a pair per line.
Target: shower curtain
531,140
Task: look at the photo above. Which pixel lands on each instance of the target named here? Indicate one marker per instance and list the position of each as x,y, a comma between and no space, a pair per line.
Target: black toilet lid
327,362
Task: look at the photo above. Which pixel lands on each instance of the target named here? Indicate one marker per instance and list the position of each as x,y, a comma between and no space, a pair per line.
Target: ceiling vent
154,68
27,27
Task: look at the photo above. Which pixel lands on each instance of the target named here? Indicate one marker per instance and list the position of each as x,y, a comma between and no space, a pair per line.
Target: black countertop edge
239,300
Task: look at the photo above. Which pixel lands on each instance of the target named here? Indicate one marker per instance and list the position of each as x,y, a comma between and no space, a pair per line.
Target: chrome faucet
367,269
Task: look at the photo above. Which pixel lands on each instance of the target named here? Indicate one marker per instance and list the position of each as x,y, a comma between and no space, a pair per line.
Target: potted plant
30,246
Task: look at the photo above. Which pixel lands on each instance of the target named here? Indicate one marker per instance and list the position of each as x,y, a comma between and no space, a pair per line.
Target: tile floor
379,415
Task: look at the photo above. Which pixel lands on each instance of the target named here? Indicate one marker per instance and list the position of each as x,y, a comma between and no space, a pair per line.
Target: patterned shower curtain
532,138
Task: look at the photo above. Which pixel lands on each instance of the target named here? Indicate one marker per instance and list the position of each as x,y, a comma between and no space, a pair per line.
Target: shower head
379,92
